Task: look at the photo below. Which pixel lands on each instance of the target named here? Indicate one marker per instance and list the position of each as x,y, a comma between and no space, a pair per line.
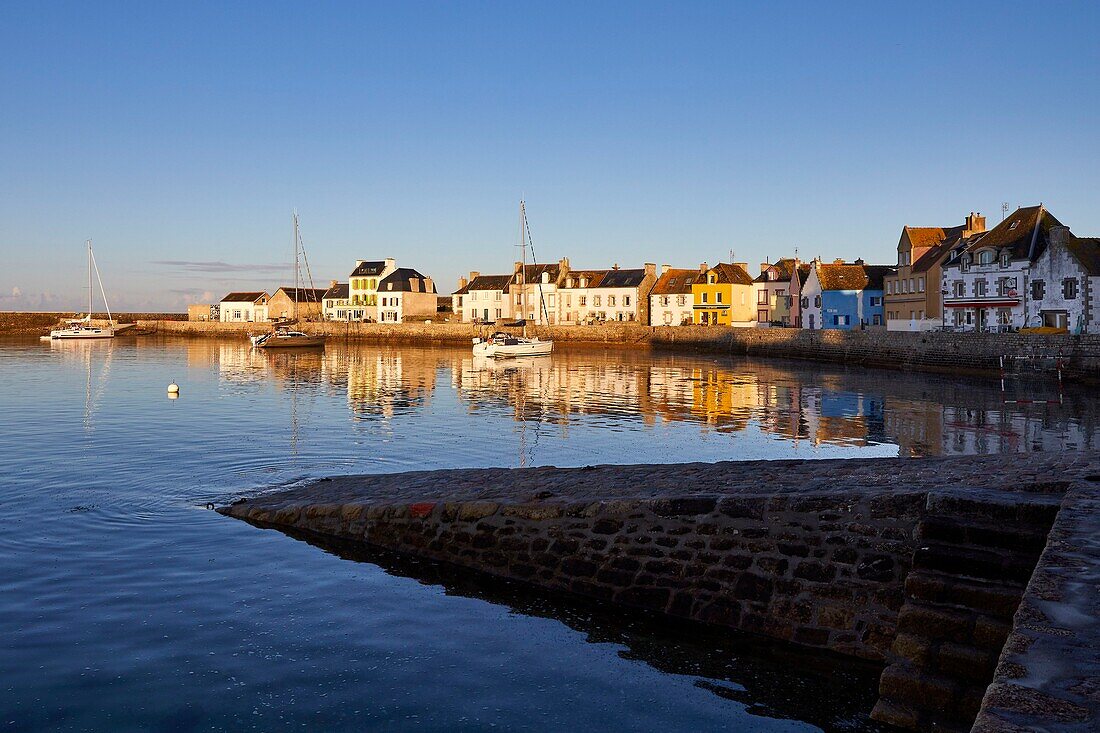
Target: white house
1027,271
363,287
593,296
244,307
482,298
404,295
773,303
670,299
335,302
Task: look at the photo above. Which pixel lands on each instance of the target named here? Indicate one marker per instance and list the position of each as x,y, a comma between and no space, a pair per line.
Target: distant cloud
217,266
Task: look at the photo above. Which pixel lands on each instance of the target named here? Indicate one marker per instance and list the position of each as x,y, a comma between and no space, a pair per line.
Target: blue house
844,296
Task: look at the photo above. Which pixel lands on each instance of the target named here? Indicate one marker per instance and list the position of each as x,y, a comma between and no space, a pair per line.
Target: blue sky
662,132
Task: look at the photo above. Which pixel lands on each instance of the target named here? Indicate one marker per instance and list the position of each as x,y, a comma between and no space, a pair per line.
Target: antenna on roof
1004,210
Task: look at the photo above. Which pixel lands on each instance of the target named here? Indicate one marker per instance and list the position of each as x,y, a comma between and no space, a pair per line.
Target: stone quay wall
40,324
905,561
953,353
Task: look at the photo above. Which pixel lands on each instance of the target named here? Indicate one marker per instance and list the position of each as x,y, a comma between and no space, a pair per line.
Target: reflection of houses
385,382
243,307
670,300
301,303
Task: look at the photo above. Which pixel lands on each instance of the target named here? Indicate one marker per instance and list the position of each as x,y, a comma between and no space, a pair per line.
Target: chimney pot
665,268
703,267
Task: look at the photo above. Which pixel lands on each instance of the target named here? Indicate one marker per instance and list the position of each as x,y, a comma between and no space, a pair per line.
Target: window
718,297
761,297
1004,259
582,301
876,301
877,319
965,265
664,300
568,300
704,297
957,289
817,301
804,303
840,320
1038,289
626,301
496,295
920,284
595,301
611,301
762,316
979,288
1004,316
1069,288
679,300
911,288
986,257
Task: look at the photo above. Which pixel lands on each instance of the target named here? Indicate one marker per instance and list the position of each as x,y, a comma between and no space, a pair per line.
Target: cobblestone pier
917,564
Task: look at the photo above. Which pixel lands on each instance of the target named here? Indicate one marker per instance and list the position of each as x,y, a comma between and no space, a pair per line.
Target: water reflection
790,403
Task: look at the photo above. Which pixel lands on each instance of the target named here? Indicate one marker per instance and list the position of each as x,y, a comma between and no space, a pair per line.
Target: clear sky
181,137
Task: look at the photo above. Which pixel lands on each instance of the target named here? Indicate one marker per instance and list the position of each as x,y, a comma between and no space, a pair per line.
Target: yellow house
724,296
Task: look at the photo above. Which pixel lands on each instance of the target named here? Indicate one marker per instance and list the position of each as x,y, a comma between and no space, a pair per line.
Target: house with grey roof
406,294
482,298
363,287
597,296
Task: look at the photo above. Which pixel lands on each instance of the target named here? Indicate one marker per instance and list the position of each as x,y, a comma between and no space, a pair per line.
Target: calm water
127,606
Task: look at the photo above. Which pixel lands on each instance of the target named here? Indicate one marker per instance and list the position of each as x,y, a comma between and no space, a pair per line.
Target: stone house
773,306
912,296
243,307
406,294
670,299
363,287
1027,271
844,296
200,312
597,296
288,303
335,303
482,298
724,295
534,291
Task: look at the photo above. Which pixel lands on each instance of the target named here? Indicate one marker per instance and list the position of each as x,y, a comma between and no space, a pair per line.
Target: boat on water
502,345
282,337
82,328
506,346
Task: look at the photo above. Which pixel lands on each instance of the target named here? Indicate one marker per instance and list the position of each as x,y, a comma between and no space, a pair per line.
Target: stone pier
919,565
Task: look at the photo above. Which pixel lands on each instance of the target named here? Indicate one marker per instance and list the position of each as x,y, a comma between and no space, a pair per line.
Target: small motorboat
506,346
286,339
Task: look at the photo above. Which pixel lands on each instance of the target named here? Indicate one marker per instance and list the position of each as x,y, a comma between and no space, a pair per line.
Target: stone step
1037,510
972,562
955,625
995,599
932,701
962,662
1026,538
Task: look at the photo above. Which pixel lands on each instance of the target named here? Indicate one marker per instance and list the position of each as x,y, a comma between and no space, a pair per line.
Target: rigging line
534,259
305,259
100,279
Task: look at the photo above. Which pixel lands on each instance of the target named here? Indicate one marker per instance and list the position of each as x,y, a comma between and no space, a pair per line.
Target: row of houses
1028,271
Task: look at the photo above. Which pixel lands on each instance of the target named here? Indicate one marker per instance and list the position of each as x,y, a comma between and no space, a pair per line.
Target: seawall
15,322
952,353
919,565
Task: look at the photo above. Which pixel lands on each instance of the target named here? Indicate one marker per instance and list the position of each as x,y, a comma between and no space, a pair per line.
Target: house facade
1028,271
363,287
289,303
670,300
404,295
482,298
773,286
243,307
843,296
799,276
335,303
724,296
534,291
912,296
597,296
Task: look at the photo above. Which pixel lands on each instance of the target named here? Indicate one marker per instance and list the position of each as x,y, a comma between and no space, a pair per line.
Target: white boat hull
82,333
512,351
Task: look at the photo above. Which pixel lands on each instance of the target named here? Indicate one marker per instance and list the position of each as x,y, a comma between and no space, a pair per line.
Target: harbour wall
954,353
916,564
14,322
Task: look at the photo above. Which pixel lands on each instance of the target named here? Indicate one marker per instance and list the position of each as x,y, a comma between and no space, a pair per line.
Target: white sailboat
502,345
82,328
284,338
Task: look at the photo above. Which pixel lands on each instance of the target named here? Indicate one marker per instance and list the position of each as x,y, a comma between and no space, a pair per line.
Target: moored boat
82,328
506,346
285,339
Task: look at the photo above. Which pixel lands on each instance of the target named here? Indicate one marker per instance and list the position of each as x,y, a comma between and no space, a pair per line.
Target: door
811,321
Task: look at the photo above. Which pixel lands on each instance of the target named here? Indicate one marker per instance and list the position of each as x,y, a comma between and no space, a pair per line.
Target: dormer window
986,257
1005,259
966,258
1013,225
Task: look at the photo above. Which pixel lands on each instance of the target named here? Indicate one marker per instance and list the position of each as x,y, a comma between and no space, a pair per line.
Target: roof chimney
764,267
615,266
462,282
838,261
650,269
859,262
703,267
665,268
391,263
743,265
333,284
975,224
474,275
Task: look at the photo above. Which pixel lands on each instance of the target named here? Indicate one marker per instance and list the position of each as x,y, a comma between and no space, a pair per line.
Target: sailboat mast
523,257
89,314
102,290
295,265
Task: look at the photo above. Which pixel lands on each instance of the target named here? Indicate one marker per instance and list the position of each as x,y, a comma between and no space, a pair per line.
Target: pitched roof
594,278
1016,232
623,278
369,268
1086,250
936,253
728,273
486,282
244,297
926,236
401,279
304,295
852,276
803,273
675,282
785,267
533,273
339,290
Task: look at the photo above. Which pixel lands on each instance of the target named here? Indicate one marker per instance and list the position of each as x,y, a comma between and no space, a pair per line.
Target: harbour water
127,605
